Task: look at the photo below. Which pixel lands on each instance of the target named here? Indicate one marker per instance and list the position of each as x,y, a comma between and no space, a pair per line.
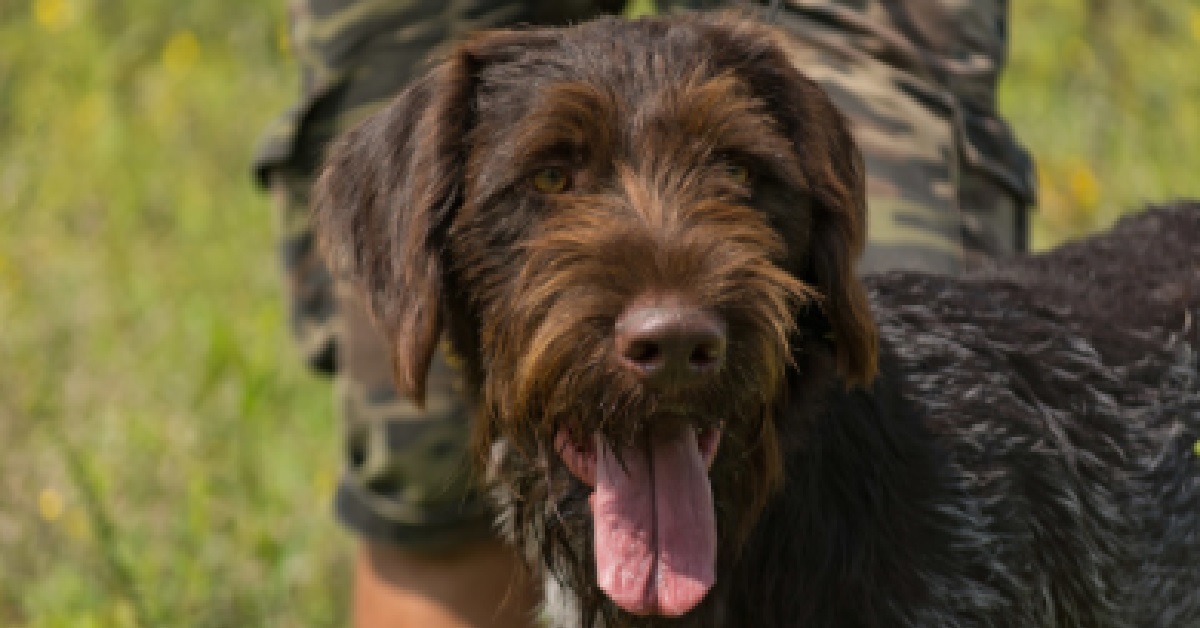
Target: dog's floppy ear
837,183
388,185
835,178
388,191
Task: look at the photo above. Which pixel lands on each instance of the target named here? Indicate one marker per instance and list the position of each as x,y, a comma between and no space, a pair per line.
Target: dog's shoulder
1075,350
1089,310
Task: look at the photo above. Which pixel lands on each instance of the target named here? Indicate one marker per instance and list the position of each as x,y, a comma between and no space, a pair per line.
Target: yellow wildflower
88,113
54,15
283,39
639,8
1196,24
1084,186
1196,448
50,504
123,614
323,485
180,53
76,525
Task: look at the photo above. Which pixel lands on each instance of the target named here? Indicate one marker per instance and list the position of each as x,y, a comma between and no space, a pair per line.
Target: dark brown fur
883,520
448,233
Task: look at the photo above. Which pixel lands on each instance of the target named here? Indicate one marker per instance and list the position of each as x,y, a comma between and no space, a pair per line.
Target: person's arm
479,585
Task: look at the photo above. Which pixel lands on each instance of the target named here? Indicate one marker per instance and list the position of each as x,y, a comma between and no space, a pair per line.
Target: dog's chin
653,517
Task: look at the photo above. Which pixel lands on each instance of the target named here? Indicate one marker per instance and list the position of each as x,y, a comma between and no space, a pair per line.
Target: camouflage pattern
356,54
406,478
308,286
948,187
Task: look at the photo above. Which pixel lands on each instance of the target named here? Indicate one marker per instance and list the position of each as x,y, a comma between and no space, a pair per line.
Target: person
948,185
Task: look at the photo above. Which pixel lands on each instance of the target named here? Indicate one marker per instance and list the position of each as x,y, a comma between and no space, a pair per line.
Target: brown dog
642,239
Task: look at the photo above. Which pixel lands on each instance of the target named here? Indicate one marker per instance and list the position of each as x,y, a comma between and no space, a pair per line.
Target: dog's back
1065,388
1144,275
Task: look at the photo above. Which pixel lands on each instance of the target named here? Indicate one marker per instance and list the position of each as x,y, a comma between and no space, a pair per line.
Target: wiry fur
1009,449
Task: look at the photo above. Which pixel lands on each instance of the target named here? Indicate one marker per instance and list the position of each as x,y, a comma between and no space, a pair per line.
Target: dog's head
636,233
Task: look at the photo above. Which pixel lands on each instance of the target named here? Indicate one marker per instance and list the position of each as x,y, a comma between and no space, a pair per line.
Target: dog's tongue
656,533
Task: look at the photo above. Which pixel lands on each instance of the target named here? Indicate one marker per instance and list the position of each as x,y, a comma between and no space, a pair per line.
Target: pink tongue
656,533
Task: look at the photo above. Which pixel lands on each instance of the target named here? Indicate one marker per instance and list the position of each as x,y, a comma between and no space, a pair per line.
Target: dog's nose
668,342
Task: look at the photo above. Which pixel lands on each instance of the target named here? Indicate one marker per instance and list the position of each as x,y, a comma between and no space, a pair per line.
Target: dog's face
635,233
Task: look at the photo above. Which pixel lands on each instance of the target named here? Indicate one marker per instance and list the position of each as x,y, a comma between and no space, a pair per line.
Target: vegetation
1106,94
164,458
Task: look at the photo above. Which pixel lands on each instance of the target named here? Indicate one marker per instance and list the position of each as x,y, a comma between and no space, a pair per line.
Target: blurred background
165,460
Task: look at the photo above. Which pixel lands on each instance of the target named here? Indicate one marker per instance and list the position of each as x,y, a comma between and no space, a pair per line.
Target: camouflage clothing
947,183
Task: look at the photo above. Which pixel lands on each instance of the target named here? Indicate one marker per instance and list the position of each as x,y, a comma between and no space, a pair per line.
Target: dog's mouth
580,459
652,510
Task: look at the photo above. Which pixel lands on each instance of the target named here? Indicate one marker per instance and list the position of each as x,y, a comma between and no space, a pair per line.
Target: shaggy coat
1009,449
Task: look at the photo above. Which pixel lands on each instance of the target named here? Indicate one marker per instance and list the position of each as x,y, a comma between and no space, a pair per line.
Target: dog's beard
564,390
551,378
546,511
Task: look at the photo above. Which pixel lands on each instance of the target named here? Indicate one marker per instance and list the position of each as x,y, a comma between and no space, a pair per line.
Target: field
164,458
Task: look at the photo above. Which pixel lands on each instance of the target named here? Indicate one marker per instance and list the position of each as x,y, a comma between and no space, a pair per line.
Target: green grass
147,382
1107,95
164,458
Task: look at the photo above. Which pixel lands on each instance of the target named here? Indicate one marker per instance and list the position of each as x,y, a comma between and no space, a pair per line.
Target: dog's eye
550,180
739,173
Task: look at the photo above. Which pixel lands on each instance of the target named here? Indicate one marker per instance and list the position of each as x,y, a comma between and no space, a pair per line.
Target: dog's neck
861,483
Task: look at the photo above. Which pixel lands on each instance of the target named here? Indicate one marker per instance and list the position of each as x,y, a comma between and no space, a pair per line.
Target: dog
641,237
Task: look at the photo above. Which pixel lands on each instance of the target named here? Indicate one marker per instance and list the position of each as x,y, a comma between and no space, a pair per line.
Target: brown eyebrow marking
568,120
710,118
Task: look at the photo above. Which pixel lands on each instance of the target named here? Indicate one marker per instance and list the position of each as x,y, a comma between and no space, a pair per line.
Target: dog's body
1026,457
641,238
